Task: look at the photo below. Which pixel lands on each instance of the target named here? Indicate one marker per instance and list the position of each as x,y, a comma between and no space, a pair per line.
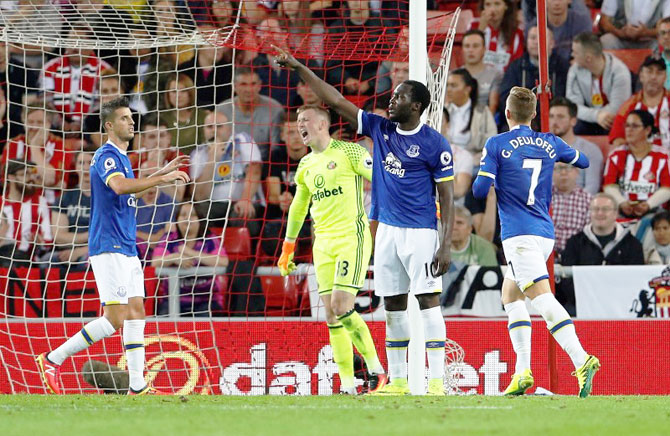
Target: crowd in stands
234,112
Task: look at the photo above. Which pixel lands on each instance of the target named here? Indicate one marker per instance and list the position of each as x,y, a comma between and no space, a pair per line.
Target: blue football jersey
406,166
113,223
521,162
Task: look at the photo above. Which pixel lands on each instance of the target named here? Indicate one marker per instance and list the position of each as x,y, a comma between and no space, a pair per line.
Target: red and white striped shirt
570,213
500,53
25,220
661,114
637,179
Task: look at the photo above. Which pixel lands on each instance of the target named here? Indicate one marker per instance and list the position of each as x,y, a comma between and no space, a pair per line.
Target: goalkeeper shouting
331,176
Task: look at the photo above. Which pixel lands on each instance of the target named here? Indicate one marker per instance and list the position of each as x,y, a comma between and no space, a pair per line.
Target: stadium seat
633,58
281,294
237,242
601,141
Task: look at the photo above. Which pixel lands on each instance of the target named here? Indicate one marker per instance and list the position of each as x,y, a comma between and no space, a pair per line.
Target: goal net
201,80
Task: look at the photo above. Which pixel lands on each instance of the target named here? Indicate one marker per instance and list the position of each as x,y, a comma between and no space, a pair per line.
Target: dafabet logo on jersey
319,194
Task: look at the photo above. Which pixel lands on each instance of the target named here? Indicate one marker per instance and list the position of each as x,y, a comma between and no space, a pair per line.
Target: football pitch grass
37,415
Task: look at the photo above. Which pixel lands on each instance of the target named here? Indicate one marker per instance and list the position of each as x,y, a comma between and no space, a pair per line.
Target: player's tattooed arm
442,258
326,92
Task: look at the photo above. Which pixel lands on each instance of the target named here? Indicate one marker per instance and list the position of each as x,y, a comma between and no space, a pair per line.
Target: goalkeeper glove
285,264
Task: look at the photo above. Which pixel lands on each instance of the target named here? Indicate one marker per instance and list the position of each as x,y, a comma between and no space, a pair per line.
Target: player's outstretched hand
176,176
285,263
441,261
285,59
176,163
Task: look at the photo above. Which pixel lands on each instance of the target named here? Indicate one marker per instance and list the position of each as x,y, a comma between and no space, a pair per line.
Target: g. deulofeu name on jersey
529,140
325,193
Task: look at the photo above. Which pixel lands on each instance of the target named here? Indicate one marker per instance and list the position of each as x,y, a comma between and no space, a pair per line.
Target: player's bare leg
519,327
342,304
343,351
562,328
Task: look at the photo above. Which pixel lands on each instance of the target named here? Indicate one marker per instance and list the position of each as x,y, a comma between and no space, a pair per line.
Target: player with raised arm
113,253
410,160
331,178
521,163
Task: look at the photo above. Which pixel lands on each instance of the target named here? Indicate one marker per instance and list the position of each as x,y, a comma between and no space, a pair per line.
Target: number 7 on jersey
536,166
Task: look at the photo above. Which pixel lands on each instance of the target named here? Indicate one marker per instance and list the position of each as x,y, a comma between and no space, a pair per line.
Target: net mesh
201,80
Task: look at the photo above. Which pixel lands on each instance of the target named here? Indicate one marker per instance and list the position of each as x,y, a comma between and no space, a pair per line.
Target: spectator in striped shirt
637,174
653,98
25,223
570,204
504,39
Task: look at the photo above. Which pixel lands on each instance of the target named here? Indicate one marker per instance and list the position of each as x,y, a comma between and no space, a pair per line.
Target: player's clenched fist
285,59
285,264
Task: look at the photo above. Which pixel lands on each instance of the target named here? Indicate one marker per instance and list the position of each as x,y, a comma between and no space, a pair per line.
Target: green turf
37,415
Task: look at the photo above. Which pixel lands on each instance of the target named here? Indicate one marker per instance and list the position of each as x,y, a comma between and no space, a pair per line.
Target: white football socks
519,327
397,340
133,342
91,333
435,333
560,326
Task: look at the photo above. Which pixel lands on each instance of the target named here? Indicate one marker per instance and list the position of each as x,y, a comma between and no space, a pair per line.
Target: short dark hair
475,32
152,119
663,215
14,166
244,71
419,94
644,116
564,102
590,42
108,109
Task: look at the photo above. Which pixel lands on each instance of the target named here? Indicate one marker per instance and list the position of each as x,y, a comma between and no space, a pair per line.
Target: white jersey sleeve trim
572,162
360,122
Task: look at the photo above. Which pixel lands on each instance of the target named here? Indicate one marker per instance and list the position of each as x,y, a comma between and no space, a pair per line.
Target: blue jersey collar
520,126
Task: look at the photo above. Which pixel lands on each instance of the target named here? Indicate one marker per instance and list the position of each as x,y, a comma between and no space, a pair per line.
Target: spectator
463,163
525,71
660,225
566,19
388,78
25,223
637,174
653,98
69,82
190,245
155,211
43,148
278,83
146,72
529,8
212,73
602,242
223,176
280,186
304,32
488,77
504,39
598,83
353,76
35,17
570,204
255,114
662,50
306,96
470,124
71,217
16,82
654,234
628,26
155,152
222,13
466,247
562,120
181,115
